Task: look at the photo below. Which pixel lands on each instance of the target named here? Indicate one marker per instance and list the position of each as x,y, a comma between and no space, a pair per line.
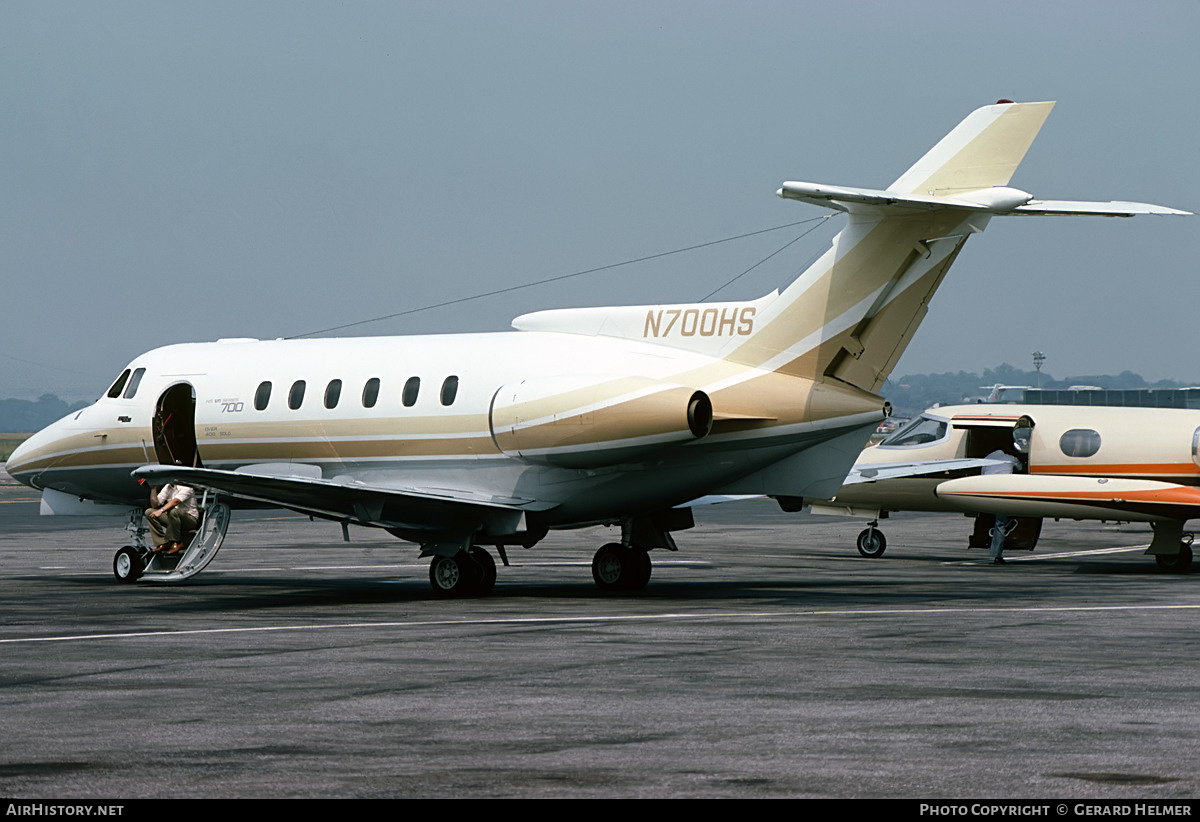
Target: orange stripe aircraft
1076,462
617,415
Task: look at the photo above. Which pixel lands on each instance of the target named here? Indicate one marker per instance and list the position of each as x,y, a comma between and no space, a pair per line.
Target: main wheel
455,576
487,568
643,567
608,565
128,565
871,543
617,568
1179,563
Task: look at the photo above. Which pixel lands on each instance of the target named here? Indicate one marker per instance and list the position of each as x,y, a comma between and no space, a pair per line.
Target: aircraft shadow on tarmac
969,583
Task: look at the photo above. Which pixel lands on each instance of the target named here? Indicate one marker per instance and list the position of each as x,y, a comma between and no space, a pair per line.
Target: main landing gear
467,573
617,567
1179,563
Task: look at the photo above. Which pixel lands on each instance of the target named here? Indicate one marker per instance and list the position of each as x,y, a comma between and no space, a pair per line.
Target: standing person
1000,528
173,515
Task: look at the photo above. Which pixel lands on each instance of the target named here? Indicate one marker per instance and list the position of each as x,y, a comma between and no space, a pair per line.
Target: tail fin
983,151
850,316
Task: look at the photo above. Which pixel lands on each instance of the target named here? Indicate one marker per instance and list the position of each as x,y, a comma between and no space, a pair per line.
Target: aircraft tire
1179,563
642,569
128,565
617,568
871,543
456,576
487,568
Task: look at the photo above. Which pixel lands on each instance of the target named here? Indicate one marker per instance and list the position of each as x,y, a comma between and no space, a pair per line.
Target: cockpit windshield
920,431
119,385
126,385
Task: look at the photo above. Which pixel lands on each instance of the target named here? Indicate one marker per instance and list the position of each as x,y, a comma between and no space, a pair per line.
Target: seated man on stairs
174,515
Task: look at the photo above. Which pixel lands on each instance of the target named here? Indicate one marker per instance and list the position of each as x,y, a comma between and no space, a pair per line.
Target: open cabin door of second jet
175,427
1012,435
985,433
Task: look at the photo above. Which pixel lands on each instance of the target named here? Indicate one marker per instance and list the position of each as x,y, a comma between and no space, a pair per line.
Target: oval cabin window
371,393
333,393
296,395
262,396
1080,442
449,390
411,389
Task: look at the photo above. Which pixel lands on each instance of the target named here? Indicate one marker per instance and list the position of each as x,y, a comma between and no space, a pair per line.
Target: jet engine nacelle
589,421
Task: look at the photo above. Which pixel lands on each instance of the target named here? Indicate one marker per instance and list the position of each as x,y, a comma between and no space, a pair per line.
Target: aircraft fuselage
384,411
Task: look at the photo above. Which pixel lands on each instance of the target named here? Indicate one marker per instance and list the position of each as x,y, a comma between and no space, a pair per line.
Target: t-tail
850,315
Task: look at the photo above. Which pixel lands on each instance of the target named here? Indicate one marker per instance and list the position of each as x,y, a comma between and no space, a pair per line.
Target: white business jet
615,415
1075,462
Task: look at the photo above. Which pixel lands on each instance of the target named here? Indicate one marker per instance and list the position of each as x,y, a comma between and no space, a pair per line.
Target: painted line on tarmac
669,617
1090,552
1062,555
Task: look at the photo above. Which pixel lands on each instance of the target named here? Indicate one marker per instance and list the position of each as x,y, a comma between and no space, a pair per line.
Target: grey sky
175,172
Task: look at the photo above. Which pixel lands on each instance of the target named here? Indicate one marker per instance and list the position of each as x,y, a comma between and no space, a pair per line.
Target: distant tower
1038,359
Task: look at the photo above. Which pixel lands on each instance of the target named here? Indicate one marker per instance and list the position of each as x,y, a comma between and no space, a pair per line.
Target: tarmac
765,659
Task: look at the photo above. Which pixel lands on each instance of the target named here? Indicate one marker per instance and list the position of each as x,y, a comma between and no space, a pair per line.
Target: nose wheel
871,542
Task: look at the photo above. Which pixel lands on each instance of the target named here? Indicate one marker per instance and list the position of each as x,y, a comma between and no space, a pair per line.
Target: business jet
580,416
1076,462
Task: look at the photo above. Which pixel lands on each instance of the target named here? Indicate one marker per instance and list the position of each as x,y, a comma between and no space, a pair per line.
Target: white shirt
1013,463
183,493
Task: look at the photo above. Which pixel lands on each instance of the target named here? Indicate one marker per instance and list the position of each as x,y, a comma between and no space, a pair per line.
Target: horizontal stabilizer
1083,208
996,200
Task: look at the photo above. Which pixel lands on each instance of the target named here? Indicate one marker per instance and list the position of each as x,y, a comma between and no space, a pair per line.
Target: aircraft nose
17,461
31,456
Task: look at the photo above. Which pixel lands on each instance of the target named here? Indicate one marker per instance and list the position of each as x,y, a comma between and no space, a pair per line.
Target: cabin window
296,395
119,385
134,382
371,393
262,396
921,431
449,390
333,393
411,389
1080,442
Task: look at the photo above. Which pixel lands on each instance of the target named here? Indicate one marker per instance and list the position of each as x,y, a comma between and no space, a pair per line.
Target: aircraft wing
413,510
1074,497
921,468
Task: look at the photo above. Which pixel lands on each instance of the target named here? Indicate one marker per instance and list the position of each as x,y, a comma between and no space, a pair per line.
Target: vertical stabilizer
850,316
981,152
